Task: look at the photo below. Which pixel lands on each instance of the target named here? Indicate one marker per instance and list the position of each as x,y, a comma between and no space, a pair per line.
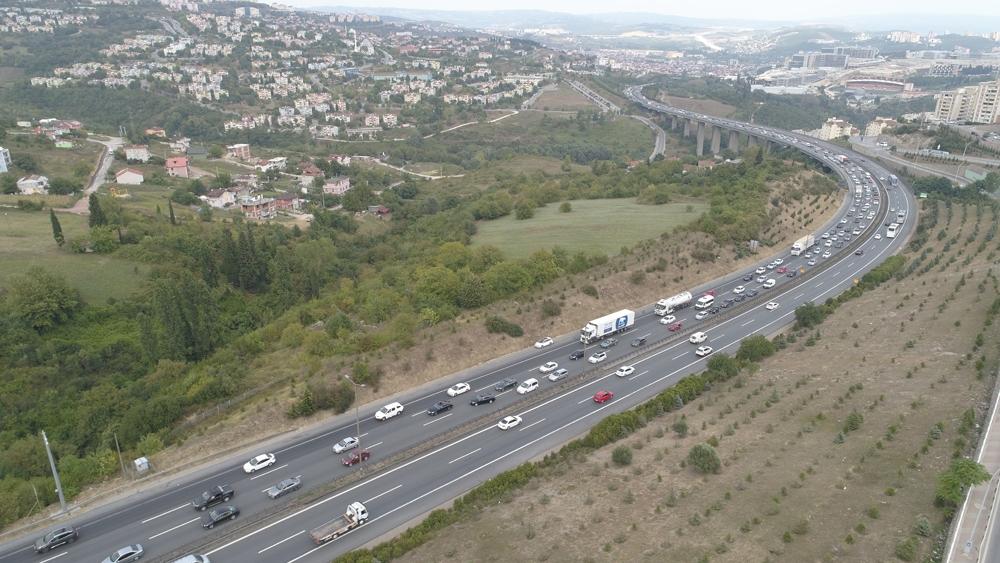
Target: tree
170,209
524,210
216,151
853,422
755,348
704,458
680,427
57,233
41,299
64,186
565,207
8,184
962,474
97,217
808,315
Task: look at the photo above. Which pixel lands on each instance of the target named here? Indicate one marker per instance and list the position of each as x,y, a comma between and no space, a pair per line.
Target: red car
603,396
674,327
782,269
356,457
710,292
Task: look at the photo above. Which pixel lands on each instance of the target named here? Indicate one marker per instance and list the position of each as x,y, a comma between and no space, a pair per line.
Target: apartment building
971,104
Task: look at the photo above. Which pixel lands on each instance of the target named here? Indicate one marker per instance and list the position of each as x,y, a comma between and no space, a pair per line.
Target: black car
792,273
219,515
726,304
576,355
284,487
482,399
636,342
748,277
507,383
713,310
859,252
439,407
213,496
55,538
752,293
609,342
740,298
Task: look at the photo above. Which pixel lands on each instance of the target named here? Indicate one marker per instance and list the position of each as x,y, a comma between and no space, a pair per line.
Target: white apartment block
971,104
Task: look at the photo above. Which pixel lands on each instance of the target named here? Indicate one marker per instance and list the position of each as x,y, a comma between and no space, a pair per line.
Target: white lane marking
154,536
151,518
383,493
585,400
532,424
375,444
299,533
503,393
799,296
680,356
437,418
463,456
717,338
818,285
53,557
416,414
266,473
638,375
363,435
750,322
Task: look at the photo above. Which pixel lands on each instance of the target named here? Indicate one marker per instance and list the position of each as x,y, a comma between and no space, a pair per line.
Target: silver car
126,554
284,487
348,443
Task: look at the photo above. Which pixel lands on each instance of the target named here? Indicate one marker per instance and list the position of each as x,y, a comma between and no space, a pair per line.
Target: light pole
961,160
55,474
357,418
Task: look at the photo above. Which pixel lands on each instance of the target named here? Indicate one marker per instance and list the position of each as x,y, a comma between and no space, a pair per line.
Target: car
791,274
760,270
778,261
727,303
527,386
828,243
748,277
55,538
547,367
701,315
703,351
439,407
602,397
598,357
608,342
769,283
838,245
483,399
740,298
193,559
505,384
752,293
213,496
348,443
389,411
772,305
509,422
636,342
856,232
126,554
558,374
739,289
221,514
625,371
859,252
458,388
577,354
667,319
675,327
827,254
772,266
698,338
761,279
782,270
825,236
356,458
547,341
878,236
285,486
260,462
811,263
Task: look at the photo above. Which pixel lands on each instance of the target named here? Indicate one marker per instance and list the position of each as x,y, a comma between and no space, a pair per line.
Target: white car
761,279
625,371
878,236
457,389
668,319
598,357
739,289
527,386
701,315
509,422
547,341
828,243
698,338
827,254
811,263
548,366
760,270
772,305
259,462
825,236
769,284
348,443
703,351
558,374
778,261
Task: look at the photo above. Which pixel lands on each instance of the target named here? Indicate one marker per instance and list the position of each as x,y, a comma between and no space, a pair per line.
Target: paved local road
111,144
164,522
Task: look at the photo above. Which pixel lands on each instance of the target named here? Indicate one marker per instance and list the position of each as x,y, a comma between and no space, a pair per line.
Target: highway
164,522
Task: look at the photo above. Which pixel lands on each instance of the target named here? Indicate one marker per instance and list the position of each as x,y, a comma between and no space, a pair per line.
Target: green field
594,226
26,241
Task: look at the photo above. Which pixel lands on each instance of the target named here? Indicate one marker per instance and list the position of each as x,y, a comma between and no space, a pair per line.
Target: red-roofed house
129,176
287,201
178,167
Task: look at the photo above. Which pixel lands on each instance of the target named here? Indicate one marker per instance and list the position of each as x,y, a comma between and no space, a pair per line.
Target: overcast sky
759,9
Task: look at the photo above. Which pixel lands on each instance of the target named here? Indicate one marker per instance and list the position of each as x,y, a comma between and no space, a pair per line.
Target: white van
388,411
698,338
704,302
527,386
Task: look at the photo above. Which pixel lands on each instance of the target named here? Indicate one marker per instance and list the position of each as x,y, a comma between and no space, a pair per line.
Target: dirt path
97,180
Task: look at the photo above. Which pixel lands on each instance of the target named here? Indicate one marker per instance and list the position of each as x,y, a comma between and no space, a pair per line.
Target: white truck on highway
667,306
355,516
801,245
607,325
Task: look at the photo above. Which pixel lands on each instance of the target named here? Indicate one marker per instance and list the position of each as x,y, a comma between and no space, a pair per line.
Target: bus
890,232
893,180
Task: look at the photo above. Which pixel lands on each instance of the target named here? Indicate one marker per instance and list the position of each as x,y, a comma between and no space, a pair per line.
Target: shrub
853,422
637,277
906,550
704,458
550,308
565,207
922,527
680,427
499,325
622,455
589,290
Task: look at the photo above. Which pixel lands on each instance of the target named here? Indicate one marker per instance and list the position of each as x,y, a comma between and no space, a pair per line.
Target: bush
906,550
755,348
680,427
589,290
565,207
704,458
922,527
550,308
622,455
496,325
853,422
637,277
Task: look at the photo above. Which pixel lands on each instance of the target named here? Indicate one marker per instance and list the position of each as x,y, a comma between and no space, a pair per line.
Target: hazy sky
759,9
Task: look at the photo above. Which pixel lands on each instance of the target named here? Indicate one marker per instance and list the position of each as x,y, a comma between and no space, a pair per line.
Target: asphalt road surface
164,522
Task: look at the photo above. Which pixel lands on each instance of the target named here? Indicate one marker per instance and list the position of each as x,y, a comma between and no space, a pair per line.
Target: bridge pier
716,140
734,142
700,140
687,127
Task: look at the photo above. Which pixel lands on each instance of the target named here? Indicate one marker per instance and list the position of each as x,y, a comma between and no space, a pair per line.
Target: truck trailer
803,244
607,325
355,516
667,306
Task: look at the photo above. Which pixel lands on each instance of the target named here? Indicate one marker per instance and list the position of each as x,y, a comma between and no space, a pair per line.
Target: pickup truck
213,496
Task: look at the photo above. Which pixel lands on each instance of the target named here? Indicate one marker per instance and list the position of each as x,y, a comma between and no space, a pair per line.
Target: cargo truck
801,245
667,306
355,516
607,325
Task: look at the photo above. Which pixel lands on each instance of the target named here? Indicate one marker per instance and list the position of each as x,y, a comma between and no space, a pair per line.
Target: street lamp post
961,160
55,474
357,417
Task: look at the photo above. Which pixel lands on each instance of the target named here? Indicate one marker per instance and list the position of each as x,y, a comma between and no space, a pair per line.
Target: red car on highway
356,457
782,269
674,327
603,396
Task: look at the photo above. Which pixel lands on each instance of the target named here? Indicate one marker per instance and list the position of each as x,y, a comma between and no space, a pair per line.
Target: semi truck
842,158
801,245
607,325
355,516
667,306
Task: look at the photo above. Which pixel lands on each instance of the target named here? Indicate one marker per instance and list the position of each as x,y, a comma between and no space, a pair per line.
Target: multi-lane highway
163,521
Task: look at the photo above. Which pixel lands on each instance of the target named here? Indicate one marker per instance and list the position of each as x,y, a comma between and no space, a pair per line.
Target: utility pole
120,460
55,474
357,418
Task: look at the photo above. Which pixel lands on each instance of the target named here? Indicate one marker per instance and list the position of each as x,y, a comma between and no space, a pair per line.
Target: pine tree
170,208
230,260
148,338
57,233
97,217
